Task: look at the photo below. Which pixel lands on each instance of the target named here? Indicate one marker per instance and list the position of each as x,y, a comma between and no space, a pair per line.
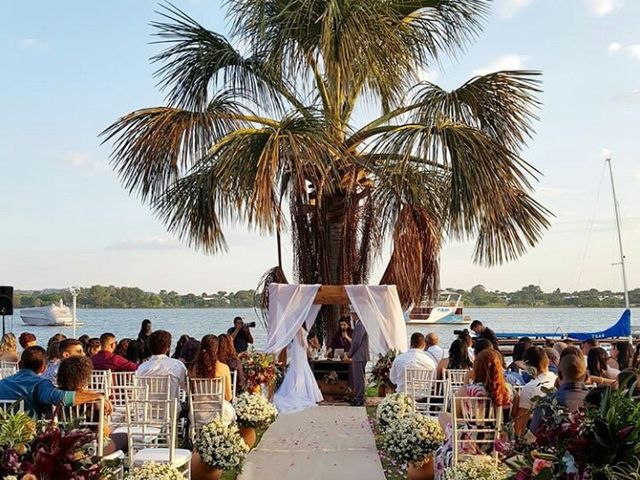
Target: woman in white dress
299,389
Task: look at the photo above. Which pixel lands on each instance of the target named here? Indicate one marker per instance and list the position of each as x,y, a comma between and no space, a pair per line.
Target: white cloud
554,192
149,243
508,8
614,47
428,75
84,161
504,62
633,51
600,8
30,43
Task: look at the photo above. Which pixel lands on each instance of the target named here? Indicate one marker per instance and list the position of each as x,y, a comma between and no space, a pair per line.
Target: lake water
198,322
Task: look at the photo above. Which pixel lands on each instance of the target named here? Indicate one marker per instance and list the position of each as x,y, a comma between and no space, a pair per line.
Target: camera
461,332
250,324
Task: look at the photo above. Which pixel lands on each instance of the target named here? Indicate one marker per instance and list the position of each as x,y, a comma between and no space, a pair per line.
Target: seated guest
572,373
554,359
518,355
227,354
468,341
535,358
587,345
621,355
53,362
458,358
161,365
106,359
481,345
342,338
434,350
92,347
136,352
415,357
71,347
559,347
38,393
8,348
483,331
630,379
58,337
74,375
189,352
27,340
598,367
181,341
122,347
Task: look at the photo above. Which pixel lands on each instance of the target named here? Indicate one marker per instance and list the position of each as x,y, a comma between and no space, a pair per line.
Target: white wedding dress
299,389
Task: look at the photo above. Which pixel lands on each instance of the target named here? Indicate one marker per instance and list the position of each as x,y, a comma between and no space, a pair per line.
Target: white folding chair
87,415
411,374
159,386
430,397
6,372
7,364
476,423
11,406
456,377
206,401
120,395
100,381
152,426
234,383
122,379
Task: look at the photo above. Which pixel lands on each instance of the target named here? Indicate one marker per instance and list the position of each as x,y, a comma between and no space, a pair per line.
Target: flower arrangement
221,446
393,408
259,369
381,369
481,467
17,430
254,410
155,471
413,439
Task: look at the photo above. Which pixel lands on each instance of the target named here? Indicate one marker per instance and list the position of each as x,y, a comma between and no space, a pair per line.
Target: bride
299,389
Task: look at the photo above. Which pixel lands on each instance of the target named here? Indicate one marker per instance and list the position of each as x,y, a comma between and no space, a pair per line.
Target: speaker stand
3,325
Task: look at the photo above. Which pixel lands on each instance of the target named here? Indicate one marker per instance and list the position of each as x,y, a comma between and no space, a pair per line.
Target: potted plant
413,440
259,369
217,448
253,411
155,471
480,467
380,373
393,408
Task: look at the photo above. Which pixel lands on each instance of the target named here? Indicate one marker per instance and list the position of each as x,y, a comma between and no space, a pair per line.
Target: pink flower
540,464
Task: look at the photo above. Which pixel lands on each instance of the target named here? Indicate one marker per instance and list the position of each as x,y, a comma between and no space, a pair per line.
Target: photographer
241,334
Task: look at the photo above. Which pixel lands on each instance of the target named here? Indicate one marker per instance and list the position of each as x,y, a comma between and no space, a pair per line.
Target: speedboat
448,310
53,315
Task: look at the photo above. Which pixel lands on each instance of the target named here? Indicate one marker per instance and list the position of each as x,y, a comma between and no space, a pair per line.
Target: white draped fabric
291,307
378,307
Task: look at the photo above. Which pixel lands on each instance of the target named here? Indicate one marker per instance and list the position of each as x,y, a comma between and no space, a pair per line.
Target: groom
359,355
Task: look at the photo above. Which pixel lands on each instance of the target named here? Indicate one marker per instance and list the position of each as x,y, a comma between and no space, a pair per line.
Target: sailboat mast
615,207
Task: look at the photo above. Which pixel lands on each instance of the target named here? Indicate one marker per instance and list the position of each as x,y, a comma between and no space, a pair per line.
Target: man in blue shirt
39,393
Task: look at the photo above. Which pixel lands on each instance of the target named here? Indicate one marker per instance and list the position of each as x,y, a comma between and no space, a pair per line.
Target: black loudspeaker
6,300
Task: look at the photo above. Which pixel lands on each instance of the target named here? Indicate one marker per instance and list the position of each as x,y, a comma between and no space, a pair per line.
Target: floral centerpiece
393,408
381,369
259,369
254,410
413,439
220,446
155,471
480,467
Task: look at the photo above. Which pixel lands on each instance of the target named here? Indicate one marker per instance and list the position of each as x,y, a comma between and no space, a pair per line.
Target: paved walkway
327,442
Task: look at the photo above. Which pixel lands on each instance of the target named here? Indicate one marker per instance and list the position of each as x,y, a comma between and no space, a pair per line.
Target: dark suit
359,354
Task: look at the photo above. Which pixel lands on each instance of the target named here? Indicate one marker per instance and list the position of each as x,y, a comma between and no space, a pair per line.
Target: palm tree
263,122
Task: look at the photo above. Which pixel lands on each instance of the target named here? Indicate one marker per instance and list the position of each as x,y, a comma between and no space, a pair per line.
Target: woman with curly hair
9,348
207,365
227,354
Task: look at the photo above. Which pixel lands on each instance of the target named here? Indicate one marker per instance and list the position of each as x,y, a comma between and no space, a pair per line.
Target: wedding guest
342,338
621,355
434,350
468,341
483,331
181,341
554,359
636,358
587,345
53,362
38,393
92,347
481,345
415,357
160,364
27,340
227,354
537,359
359,355
241,335
84,339
458,358
207,364
559,347
136,352
106,359
70,347
58,337
597,364
189,352
518,354
628,379
122,347
8,348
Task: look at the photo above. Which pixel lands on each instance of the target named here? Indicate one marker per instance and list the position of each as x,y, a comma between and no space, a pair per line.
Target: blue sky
70,68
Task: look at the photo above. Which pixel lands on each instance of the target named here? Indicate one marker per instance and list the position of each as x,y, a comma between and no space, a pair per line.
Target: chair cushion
161,455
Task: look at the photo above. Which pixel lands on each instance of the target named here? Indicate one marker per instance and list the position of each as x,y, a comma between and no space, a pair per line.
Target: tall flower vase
202,471
248,434
425,472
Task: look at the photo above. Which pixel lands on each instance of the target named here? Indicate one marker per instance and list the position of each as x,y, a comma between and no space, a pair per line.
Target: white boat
447,310
53,315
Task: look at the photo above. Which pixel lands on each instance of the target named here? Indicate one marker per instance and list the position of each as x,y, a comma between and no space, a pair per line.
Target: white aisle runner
321,443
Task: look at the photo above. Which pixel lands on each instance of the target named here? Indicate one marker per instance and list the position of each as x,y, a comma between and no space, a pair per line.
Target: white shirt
160,365
412,358
435,352
534,389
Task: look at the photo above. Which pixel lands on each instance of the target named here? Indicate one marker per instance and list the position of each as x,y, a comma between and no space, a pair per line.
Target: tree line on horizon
99,296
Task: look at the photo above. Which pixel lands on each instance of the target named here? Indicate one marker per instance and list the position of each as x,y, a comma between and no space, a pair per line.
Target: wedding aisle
320,443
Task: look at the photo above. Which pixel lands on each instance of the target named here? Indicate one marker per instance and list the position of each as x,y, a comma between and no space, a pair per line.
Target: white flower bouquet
481,467
253,410
155,471
412,439
393,408
220,445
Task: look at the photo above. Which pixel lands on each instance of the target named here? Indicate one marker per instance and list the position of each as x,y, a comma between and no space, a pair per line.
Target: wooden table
322,368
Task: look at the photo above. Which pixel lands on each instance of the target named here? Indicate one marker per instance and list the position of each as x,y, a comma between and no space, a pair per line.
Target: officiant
342,339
